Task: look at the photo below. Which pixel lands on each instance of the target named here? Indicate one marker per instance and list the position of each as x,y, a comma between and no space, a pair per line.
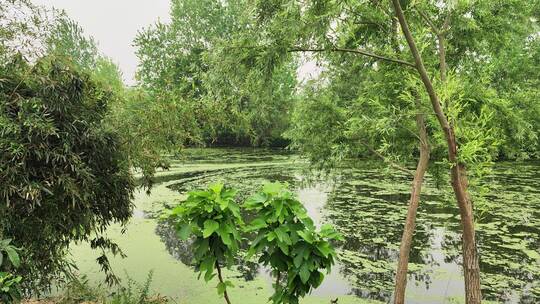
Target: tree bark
410,222
457,173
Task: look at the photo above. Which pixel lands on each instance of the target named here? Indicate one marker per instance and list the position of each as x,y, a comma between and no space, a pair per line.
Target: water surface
367,204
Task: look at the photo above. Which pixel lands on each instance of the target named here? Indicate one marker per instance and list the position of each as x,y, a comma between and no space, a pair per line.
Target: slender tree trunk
410,222
457,173
225,294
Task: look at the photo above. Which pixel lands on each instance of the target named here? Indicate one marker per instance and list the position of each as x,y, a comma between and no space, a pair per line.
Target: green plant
134,293
289,243
65,177
213,218
9,283
286,237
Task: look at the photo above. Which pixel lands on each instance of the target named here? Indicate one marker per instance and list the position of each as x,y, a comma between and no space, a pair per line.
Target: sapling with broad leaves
288,242
213,218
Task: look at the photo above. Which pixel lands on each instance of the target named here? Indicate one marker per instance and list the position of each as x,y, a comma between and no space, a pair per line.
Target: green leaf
201,247
223,203
221,287
306,235
304,273
319,278
216,188
235,209
257,224
184,231
210,226
298,260
270,236
283,247
223,232
13,256
324,248
272,188
255,200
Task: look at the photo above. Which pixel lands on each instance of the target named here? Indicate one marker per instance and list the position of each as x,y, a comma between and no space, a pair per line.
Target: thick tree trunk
410,222
471,268
457,172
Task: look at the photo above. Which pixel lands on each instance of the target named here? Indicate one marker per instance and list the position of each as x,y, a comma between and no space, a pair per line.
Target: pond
367,203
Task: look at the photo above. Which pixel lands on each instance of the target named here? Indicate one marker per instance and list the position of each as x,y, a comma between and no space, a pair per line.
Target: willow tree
181,60
438,59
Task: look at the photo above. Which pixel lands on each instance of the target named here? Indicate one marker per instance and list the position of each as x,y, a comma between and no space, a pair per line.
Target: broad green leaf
270,236
298,260
184,231
306,235
13,256
319,278
223,203
272,188
304,273
235,209
217,187
324,248
221,287
257,224
210,226
223,232
284,247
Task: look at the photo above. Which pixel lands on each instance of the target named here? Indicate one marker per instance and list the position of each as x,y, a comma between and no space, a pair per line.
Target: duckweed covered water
368,205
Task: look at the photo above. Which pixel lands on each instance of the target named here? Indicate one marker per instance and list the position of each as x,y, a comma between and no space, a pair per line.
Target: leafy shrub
287,240
64,176
213,218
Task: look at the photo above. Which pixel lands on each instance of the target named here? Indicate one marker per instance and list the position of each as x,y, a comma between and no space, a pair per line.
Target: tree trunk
457,172
408,231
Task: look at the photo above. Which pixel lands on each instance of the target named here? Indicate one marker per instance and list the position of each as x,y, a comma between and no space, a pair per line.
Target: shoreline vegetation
434,93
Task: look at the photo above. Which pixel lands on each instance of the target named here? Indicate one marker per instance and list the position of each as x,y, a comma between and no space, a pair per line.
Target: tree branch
429,22
355,51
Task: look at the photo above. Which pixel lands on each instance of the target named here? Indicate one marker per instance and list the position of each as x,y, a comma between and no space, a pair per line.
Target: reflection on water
368,206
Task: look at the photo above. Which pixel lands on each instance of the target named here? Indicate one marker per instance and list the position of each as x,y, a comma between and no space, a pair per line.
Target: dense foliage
183,61
64,175
225,73
285,237
213,218
288,242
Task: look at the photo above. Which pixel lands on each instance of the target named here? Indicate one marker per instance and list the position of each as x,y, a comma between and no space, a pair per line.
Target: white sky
114,25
